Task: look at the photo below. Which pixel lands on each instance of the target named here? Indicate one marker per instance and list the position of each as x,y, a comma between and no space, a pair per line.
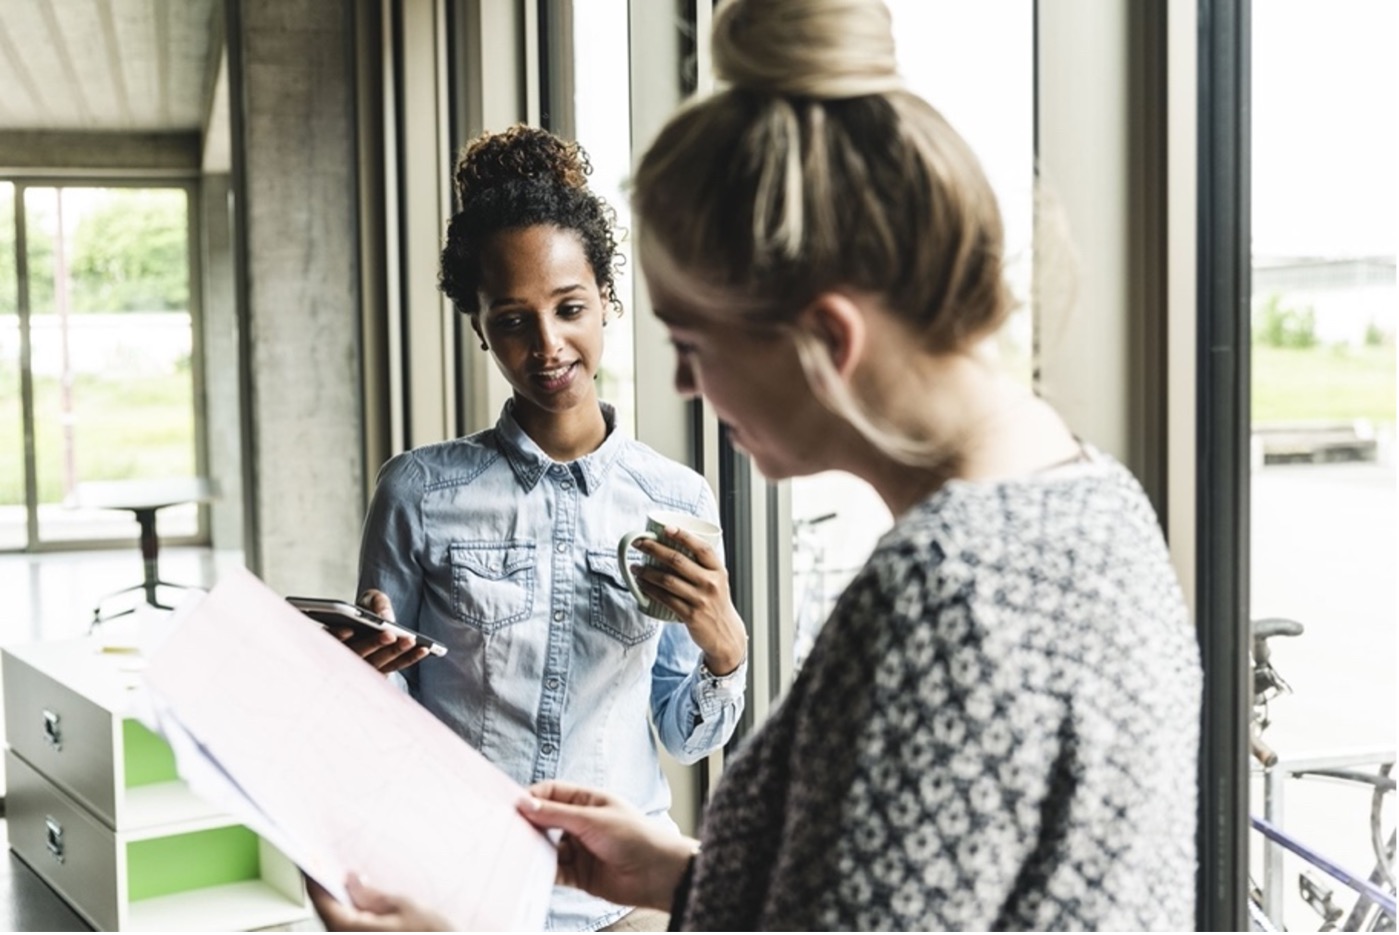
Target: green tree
1279,325
130,253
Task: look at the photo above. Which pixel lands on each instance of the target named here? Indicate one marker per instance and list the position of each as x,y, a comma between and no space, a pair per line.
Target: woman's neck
987,426
564,436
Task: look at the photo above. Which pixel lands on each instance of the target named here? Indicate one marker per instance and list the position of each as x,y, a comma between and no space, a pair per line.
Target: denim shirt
510,558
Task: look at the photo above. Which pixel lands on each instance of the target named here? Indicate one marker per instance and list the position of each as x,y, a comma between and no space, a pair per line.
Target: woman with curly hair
503,544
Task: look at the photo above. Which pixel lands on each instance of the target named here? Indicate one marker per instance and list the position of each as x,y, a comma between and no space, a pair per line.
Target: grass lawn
1323,383
144,427
131,427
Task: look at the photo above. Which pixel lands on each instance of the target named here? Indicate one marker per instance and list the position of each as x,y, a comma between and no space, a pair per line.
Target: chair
144,498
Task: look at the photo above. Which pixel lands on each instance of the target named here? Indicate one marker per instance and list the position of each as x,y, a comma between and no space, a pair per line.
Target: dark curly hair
518,178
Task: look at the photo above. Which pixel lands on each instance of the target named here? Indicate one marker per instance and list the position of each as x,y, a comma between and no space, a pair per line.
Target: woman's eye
571,311
508,322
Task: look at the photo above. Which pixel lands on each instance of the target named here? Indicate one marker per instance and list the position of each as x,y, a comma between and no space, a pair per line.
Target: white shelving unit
95,808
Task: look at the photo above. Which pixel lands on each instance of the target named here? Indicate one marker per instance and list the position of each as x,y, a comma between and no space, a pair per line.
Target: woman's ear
839,323
476,327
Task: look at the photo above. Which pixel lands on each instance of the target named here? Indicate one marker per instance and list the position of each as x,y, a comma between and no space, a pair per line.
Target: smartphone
332,613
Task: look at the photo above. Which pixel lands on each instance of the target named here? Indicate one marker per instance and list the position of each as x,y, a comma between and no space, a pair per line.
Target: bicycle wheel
1382,838
1382,829
1258,920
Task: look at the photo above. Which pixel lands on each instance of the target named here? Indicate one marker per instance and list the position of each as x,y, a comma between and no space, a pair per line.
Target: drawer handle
53,733
55,837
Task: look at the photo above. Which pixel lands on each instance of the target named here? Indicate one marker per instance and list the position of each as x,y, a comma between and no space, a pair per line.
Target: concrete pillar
222,423
293,101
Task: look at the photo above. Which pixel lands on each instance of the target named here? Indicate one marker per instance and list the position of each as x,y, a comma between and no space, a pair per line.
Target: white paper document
273,720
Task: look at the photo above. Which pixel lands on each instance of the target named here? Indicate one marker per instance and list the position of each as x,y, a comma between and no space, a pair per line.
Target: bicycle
809,568
1373,909
816,584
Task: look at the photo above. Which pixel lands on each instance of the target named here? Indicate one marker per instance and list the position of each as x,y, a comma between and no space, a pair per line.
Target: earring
485,346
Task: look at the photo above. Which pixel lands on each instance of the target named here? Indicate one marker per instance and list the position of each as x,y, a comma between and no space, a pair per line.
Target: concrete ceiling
140,66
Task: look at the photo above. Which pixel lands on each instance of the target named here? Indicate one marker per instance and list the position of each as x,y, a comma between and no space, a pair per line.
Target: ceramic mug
656,523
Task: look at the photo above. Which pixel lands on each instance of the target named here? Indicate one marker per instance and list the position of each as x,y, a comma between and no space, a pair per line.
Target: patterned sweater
996,730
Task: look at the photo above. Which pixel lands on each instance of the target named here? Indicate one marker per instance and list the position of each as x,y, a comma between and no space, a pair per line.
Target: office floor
51,595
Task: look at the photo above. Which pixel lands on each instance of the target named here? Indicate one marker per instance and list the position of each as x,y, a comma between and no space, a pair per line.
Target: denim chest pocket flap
612,609
492,583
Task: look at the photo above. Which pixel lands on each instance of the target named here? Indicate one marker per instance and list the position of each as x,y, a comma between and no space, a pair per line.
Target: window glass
602,118
1325,120
111,351
975,63
13,514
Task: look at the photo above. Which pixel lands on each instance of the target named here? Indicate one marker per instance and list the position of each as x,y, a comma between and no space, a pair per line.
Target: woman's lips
555,378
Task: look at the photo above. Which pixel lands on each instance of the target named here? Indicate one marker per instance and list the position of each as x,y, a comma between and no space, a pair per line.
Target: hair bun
519,154
826,49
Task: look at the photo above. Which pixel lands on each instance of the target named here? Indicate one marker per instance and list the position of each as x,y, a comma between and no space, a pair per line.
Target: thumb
377,602
366,897
575,819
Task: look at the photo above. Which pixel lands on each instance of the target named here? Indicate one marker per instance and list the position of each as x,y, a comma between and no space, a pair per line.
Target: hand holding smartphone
334,614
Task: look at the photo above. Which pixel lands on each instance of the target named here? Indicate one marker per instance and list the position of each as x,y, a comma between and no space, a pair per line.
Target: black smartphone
329,612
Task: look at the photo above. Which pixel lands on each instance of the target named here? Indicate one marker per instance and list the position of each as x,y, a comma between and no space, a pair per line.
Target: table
144,497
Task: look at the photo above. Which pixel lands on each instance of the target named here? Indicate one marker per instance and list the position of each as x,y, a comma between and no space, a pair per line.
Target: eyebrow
561,290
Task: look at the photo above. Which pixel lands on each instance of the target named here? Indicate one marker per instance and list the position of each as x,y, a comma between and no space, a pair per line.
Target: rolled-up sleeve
695,711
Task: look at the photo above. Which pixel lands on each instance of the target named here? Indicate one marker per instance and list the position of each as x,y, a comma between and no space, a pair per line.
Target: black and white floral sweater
996,730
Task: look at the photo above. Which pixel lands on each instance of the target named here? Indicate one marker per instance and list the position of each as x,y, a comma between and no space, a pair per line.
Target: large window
110,362
601,81
13,515
1325,180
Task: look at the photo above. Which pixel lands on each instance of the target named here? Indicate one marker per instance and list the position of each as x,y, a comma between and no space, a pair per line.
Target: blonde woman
997,727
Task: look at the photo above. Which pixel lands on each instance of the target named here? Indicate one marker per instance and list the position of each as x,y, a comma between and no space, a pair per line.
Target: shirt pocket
611,607
492,583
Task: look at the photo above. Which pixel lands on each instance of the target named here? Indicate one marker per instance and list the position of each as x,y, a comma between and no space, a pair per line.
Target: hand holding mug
683,579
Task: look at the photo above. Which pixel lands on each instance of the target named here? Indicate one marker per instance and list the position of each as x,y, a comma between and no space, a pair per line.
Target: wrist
721,666
671,866
719,661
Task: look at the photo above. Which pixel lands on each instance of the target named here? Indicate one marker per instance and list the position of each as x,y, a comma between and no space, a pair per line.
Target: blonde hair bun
823,49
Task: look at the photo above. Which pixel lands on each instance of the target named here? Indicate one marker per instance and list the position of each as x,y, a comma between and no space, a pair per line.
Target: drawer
64,715
64,734
208,875
75,854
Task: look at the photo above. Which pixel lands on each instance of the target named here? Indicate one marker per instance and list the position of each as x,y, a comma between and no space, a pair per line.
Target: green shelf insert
149,758
193,861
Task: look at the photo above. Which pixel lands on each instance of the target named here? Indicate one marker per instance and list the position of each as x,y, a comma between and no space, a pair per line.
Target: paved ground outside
1324,553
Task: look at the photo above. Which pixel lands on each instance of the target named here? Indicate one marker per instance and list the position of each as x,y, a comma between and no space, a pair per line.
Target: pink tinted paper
344,770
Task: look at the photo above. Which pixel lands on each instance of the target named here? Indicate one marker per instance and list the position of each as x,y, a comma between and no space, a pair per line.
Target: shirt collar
530,463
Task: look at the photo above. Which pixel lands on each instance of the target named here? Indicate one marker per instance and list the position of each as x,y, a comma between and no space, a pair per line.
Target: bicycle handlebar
1265,629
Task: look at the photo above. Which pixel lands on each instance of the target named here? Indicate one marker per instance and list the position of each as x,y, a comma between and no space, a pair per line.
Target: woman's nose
546,338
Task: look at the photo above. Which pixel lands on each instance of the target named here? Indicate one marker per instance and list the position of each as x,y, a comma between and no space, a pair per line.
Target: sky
1325,112
1325,127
